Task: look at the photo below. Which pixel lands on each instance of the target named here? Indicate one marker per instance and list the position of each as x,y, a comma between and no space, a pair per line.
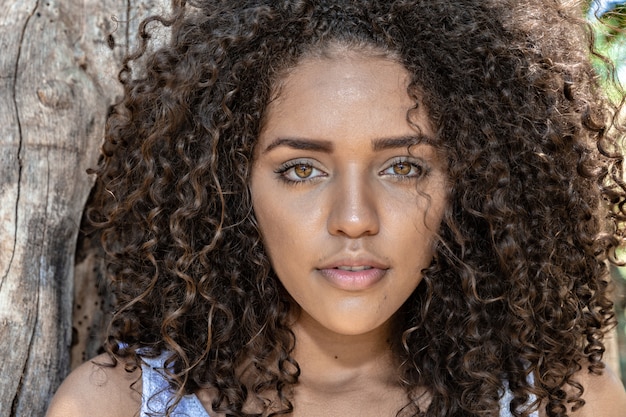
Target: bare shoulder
604,395
97,388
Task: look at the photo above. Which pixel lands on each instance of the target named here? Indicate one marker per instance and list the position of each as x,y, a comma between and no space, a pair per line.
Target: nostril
355,218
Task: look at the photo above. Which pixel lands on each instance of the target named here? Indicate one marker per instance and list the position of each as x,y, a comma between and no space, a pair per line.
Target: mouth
353,277
354,268
363,262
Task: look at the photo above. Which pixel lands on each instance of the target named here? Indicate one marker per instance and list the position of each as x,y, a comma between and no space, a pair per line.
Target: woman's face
348,195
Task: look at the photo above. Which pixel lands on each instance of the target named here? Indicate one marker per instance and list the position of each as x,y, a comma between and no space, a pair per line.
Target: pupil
303,171
402,169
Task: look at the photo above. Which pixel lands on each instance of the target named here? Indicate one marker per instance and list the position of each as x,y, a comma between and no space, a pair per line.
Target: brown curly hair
519,283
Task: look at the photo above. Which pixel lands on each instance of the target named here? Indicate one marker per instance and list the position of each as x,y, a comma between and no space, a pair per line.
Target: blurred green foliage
608,23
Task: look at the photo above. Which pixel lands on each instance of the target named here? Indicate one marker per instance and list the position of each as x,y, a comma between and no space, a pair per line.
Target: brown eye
300,171
402,168
303,171
405,169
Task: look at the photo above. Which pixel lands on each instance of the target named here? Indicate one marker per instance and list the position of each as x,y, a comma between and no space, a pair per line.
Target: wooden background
58,65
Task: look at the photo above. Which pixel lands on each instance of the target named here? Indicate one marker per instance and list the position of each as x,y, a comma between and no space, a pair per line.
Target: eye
299,171
403,168
302,170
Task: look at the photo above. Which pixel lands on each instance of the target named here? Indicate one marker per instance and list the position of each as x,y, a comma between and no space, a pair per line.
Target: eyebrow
301,144
327,146
400,142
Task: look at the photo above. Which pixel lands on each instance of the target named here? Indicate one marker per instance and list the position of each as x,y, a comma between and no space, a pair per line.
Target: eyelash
422,169
284,169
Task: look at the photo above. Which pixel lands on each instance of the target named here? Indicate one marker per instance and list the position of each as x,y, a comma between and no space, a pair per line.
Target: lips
353,274
353,280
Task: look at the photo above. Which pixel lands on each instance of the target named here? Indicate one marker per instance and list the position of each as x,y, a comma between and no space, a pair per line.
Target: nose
353,210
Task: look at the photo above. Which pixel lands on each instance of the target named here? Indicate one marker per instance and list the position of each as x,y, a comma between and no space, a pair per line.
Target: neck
332,362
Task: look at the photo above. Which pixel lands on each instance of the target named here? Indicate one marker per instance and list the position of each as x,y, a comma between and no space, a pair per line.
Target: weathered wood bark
58,66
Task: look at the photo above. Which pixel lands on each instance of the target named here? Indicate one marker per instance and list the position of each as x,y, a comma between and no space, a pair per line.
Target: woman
358,208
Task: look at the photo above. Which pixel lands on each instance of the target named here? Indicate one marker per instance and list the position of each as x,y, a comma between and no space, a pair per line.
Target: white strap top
157,395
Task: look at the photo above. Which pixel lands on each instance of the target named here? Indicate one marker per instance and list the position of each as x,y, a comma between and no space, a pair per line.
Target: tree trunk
58,66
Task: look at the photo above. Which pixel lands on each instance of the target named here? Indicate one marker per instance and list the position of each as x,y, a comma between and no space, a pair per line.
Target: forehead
348,93
346,68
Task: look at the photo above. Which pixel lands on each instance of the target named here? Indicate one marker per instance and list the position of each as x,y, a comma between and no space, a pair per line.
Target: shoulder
604,395
97,388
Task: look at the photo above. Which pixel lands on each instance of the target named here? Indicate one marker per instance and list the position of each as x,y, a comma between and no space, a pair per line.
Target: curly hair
517,294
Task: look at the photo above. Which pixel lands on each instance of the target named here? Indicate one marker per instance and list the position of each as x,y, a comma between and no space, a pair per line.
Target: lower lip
353,280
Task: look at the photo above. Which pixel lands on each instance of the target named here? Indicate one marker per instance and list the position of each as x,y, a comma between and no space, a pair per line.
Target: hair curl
519,283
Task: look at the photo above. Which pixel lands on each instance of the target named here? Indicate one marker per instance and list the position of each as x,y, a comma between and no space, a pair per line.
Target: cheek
278,225
286,221
266,222
417,233
293,232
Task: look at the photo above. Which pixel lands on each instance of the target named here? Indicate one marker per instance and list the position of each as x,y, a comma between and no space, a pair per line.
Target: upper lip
354,261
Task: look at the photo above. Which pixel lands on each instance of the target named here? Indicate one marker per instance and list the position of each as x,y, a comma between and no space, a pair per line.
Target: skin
342,180
355,203
356,196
